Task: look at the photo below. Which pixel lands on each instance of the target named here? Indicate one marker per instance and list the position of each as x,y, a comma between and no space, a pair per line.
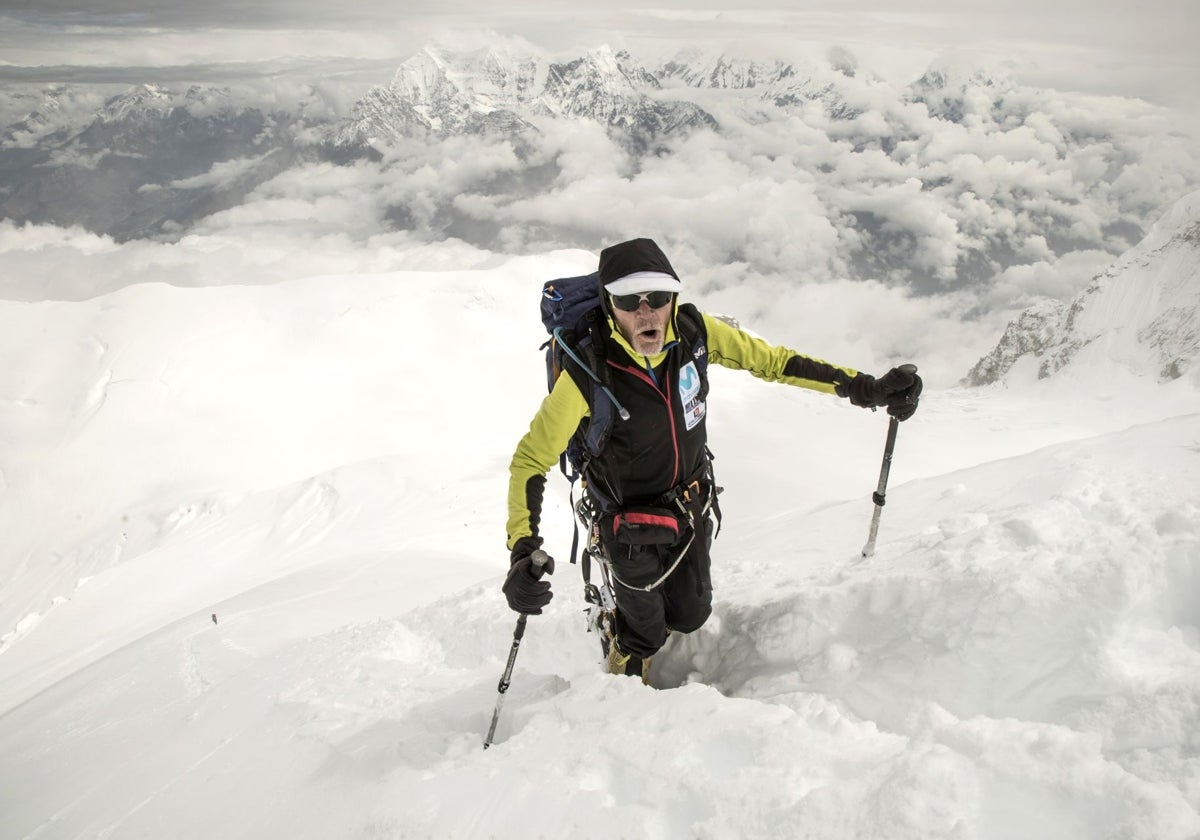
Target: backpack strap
593,365
586,364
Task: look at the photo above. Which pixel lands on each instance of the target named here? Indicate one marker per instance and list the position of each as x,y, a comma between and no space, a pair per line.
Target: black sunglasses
630,303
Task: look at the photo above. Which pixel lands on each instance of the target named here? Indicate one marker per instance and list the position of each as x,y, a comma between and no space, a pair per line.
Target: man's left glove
525,591
898,389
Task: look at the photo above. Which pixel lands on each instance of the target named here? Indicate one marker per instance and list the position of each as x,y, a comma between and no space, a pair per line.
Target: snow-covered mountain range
496,91
1142,313
149,161
788,169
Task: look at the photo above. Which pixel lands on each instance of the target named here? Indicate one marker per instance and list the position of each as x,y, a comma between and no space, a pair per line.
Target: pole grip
540,559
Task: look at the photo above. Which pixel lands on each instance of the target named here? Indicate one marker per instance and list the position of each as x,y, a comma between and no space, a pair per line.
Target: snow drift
254,543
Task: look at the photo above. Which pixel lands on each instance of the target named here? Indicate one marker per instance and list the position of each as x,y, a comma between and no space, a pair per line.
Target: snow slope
321,465
1141,313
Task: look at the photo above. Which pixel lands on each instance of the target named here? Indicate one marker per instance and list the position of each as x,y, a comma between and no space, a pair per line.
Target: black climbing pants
682,602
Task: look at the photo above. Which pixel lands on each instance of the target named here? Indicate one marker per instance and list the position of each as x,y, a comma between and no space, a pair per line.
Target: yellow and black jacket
662,445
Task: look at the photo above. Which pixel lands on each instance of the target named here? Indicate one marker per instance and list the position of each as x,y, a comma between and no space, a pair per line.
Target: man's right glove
525,591
898,389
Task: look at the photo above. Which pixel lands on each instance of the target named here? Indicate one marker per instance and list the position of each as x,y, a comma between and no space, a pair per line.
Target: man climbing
651,480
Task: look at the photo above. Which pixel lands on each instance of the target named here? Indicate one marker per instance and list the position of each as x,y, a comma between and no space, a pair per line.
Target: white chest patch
689,395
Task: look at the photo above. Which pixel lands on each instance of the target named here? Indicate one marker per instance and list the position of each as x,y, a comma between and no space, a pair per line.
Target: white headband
644,281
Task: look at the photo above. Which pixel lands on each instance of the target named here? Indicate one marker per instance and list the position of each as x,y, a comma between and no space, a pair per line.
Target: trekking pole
879,496
540,558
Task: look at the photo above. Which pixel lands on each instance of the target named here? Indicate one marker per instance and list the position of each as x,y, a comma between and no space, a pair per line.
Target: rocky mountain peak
955,88
136,102
1142,313
53,109
447,92
598,69
706,69
208,101
955,74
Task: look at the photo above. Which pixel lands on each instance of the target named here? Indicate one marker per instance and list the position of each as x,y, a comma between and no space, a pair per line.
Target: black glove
899,389
525,591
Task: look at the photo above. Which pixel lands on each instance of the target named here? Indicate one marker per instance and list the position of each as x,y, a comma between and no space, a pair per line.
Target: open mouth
651,334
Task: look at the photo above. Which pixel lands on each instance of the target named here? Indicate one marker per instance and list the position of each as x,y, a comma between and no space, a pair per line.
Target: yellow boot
622,664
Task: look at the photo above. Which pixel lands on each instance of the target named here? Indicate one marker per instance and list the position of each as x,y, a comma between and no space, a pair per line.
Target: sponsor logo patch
689,395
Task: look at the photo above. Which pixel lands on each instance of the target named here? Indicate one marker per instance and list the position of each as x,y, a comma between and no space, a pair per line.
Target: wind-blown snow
321,464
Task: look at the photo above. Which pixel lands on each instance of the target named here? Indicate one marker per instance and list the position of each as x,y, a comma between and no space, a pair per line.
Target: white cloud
865,325
220,174
75,157
40,262
35,45
940,205
1019,203
1057,278
27,239
320,200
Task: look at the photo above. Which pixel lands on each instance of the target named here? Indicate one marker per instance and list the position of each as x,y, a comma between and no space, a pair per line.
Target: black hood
624,258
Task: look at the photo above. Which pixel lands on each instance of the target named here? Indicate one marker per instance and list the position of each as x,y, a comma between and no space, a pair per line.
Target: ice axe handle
540,559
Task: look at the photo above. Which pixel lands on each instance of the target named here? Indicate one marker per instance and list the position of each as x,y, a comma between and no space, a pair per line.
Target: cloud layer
967,183
956,202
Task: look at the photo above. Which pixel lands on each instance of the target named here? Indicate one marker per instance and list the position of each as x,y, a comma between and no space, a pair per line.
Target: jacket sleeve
549,433
731,347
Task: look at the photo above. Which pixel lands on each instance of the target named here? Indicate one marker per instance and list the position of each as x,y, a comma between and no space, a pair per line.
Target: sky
1136,49
249,585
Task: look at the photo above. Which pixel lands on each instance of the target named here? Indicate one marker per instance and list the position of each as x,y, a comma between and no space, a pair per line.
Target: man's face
644,328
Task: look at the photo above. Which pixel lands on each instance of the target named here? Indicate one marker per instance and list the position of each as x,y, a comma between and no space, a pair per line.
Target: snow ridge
1142,313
